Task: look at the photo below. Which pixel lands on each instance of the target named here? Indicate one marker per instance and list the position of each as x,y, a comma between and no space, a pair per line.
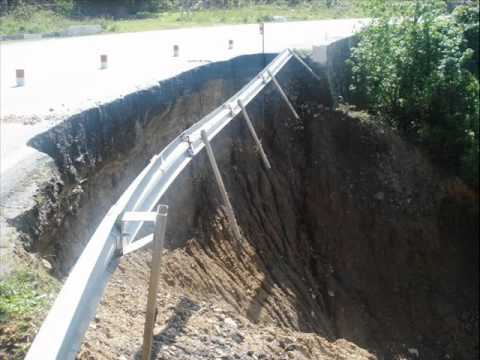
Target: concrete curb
77,30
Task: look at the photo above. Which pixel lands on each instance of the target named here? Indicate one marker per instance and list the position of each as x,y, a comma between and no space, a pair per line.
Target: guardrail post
284,96
221,186
176,50
103,62
309,69
20,77
254,135
262,33
159,237
230,44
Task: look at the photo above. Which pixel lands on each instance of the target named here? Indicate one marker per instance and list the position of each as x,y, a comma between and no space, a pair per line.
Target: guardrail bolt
176,50
20,77
230,44
103,62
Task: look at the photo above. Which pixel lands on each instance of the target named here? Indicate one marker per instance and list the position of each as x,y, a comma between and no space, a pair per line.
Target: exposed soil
353,235
355,246
191,328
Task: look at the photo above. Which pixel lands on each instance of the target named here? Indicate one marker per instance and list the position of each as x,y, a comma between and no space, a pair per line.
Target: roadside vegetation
416,66
128,16
25,296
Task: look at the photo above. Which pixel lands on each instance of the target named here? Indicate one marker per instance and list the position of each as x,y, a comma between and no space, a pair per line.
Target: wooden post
158,241
284,96
254,135
223,190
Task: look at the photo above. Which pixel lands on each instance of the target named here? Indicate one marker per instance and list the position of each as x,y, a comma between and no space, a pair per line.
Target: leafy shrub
468,18
65,7
412,69
23,11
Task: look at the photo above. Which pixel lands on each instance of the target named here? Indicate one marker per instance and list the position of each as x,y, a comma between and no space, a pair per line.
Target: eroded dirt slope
190,328
353,235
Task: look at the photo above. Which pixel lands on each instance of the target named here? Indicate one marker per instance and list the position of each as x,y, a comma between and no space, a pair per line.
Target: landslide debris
353,235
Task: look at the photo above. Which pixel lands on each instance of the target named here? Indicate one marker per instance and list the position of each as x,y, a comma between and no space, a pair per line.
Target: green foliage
65,7
24,299
23,294
24,21
468,18
40,19
412,69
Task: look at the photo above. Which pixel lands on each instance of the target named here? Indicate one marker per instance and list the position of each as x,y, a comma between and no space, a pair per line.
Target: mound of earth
188,329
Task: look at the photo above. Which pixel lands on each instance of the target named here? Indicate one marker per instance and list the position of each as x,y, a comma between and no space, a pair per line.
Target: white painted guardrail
62,331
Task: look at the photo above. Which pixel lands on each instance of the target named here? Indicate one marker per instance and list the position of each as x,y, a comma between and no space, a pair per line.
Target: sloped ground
353,235
189,328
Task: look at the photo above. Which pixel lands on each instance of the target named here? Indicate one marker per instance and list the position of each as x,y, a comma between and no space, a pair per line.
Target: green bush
65,7
412,70
468,18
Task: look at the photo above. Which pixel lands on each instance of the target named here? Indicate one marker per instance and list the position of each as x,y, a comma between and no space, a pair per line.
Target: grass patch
23,293
244,15
25,297
32,20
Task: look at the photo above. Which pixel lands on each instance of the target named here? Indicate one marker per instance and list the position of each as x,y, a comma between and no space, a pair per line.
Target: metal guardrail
62,331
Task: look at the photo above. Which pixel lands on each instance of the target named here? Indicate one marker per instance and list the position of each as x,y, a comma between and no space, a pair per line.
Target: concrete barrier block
79,30
319,54
277,18
32,36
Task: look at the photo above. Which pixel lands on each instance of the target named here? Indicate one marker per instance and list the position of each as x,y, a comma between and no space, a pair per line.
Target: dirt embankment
352,235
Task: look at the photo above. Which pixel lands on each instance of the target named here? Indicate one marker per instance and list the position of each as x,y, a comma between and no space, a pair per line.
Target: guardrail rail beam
61,334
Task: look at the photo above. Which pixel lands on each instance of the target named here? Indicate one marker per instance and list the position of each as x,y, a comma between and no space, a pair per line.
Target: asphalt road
63,75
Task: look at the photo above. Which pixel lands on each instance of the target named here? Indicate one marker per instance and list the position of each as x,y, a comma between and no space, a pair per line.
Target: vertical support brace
254,135
123,240
158,241
309,69
223,190
284,96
